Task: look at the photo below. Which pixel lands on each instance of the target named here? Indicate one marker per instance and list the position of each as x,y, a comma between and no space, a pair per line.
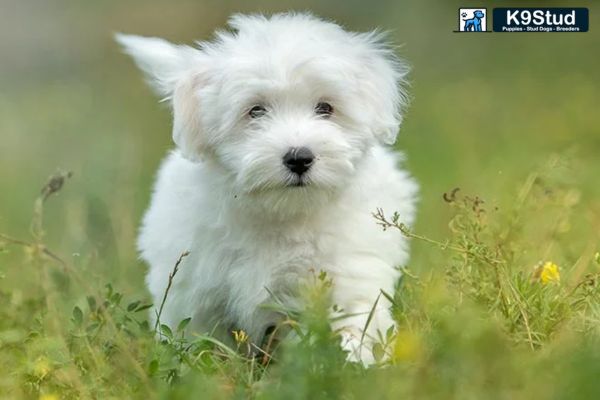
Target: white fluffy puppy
281,126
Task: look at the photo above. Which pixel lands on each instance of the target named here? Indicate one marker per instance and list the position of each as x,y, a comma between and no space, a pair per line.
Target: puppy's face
287,122
288,106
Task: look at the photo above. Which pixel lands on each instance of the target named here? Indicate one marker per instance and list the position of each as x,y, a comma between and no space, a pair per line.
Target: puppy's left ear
384,86
173,72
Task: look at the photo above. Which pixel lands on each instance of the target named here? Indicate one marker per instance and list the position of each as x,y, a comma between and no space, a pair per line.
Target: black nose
298,159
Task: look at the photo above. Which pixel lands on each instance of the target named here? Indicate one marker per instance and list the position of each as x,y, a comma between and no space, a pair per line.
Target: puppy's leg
365,312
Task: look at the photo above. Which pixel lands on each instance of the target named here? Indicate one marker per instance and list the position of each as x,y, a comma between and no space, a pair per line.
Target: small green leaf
389,334
91,300
183,324
116,299
144,326
153,367
143,307
378,352
77,316
322,275
132,306
109,290
165,330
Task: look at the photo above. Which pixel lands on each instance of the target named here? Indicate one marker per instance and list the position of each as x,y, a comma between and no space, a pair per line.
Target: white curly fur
225,195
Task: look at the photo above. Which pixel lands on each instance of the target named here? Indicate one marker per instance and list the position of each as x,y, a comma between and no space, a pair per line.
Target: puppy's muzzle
298,160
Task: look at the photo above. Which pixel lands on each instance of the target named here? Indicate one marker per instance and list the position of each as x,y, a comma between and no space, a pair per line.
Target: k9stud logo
472,20
520,19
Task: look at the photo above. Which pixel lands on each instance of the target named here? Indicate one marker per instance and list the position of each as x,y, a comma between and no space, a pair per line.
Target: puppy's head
288,105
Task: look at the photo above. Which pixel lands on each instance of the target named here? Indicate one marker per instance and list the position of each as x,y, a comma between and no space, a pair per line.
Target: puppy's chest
285,255
280,259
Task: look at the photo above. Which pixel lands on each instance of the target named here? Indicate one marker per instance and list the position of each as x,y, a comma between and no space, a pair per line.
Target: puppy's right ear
162,62
173,72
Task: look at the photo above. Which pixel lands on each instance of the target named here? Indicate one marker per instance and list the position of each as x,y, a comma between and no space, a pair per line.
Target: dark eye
257,111
324,109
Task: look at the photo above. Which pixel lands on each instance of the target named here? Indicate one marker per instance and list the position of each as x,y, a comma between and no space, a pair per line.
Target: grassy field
501,298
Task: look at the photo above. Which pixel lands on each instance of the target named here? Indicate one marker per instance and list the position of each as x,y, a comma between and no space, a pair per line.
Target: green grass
515,126
489,323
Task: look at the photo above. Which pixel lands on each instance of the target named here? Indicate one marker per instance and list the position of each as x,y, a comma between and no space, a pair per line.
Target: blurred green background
486,109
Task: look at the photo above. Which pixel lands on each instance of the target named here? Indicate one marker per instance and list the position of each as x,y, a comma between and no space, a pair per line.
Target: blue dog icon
474,24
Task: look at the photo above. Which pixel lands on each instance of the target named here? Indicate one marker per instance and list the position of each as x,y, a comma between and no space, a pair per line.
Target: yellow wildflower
548,272
240,336
597,257
49,397
407,347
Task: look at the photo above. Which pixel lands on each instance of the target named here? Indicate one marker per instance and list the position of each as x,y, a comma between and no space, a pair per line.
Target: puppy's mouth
298,181
290,183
